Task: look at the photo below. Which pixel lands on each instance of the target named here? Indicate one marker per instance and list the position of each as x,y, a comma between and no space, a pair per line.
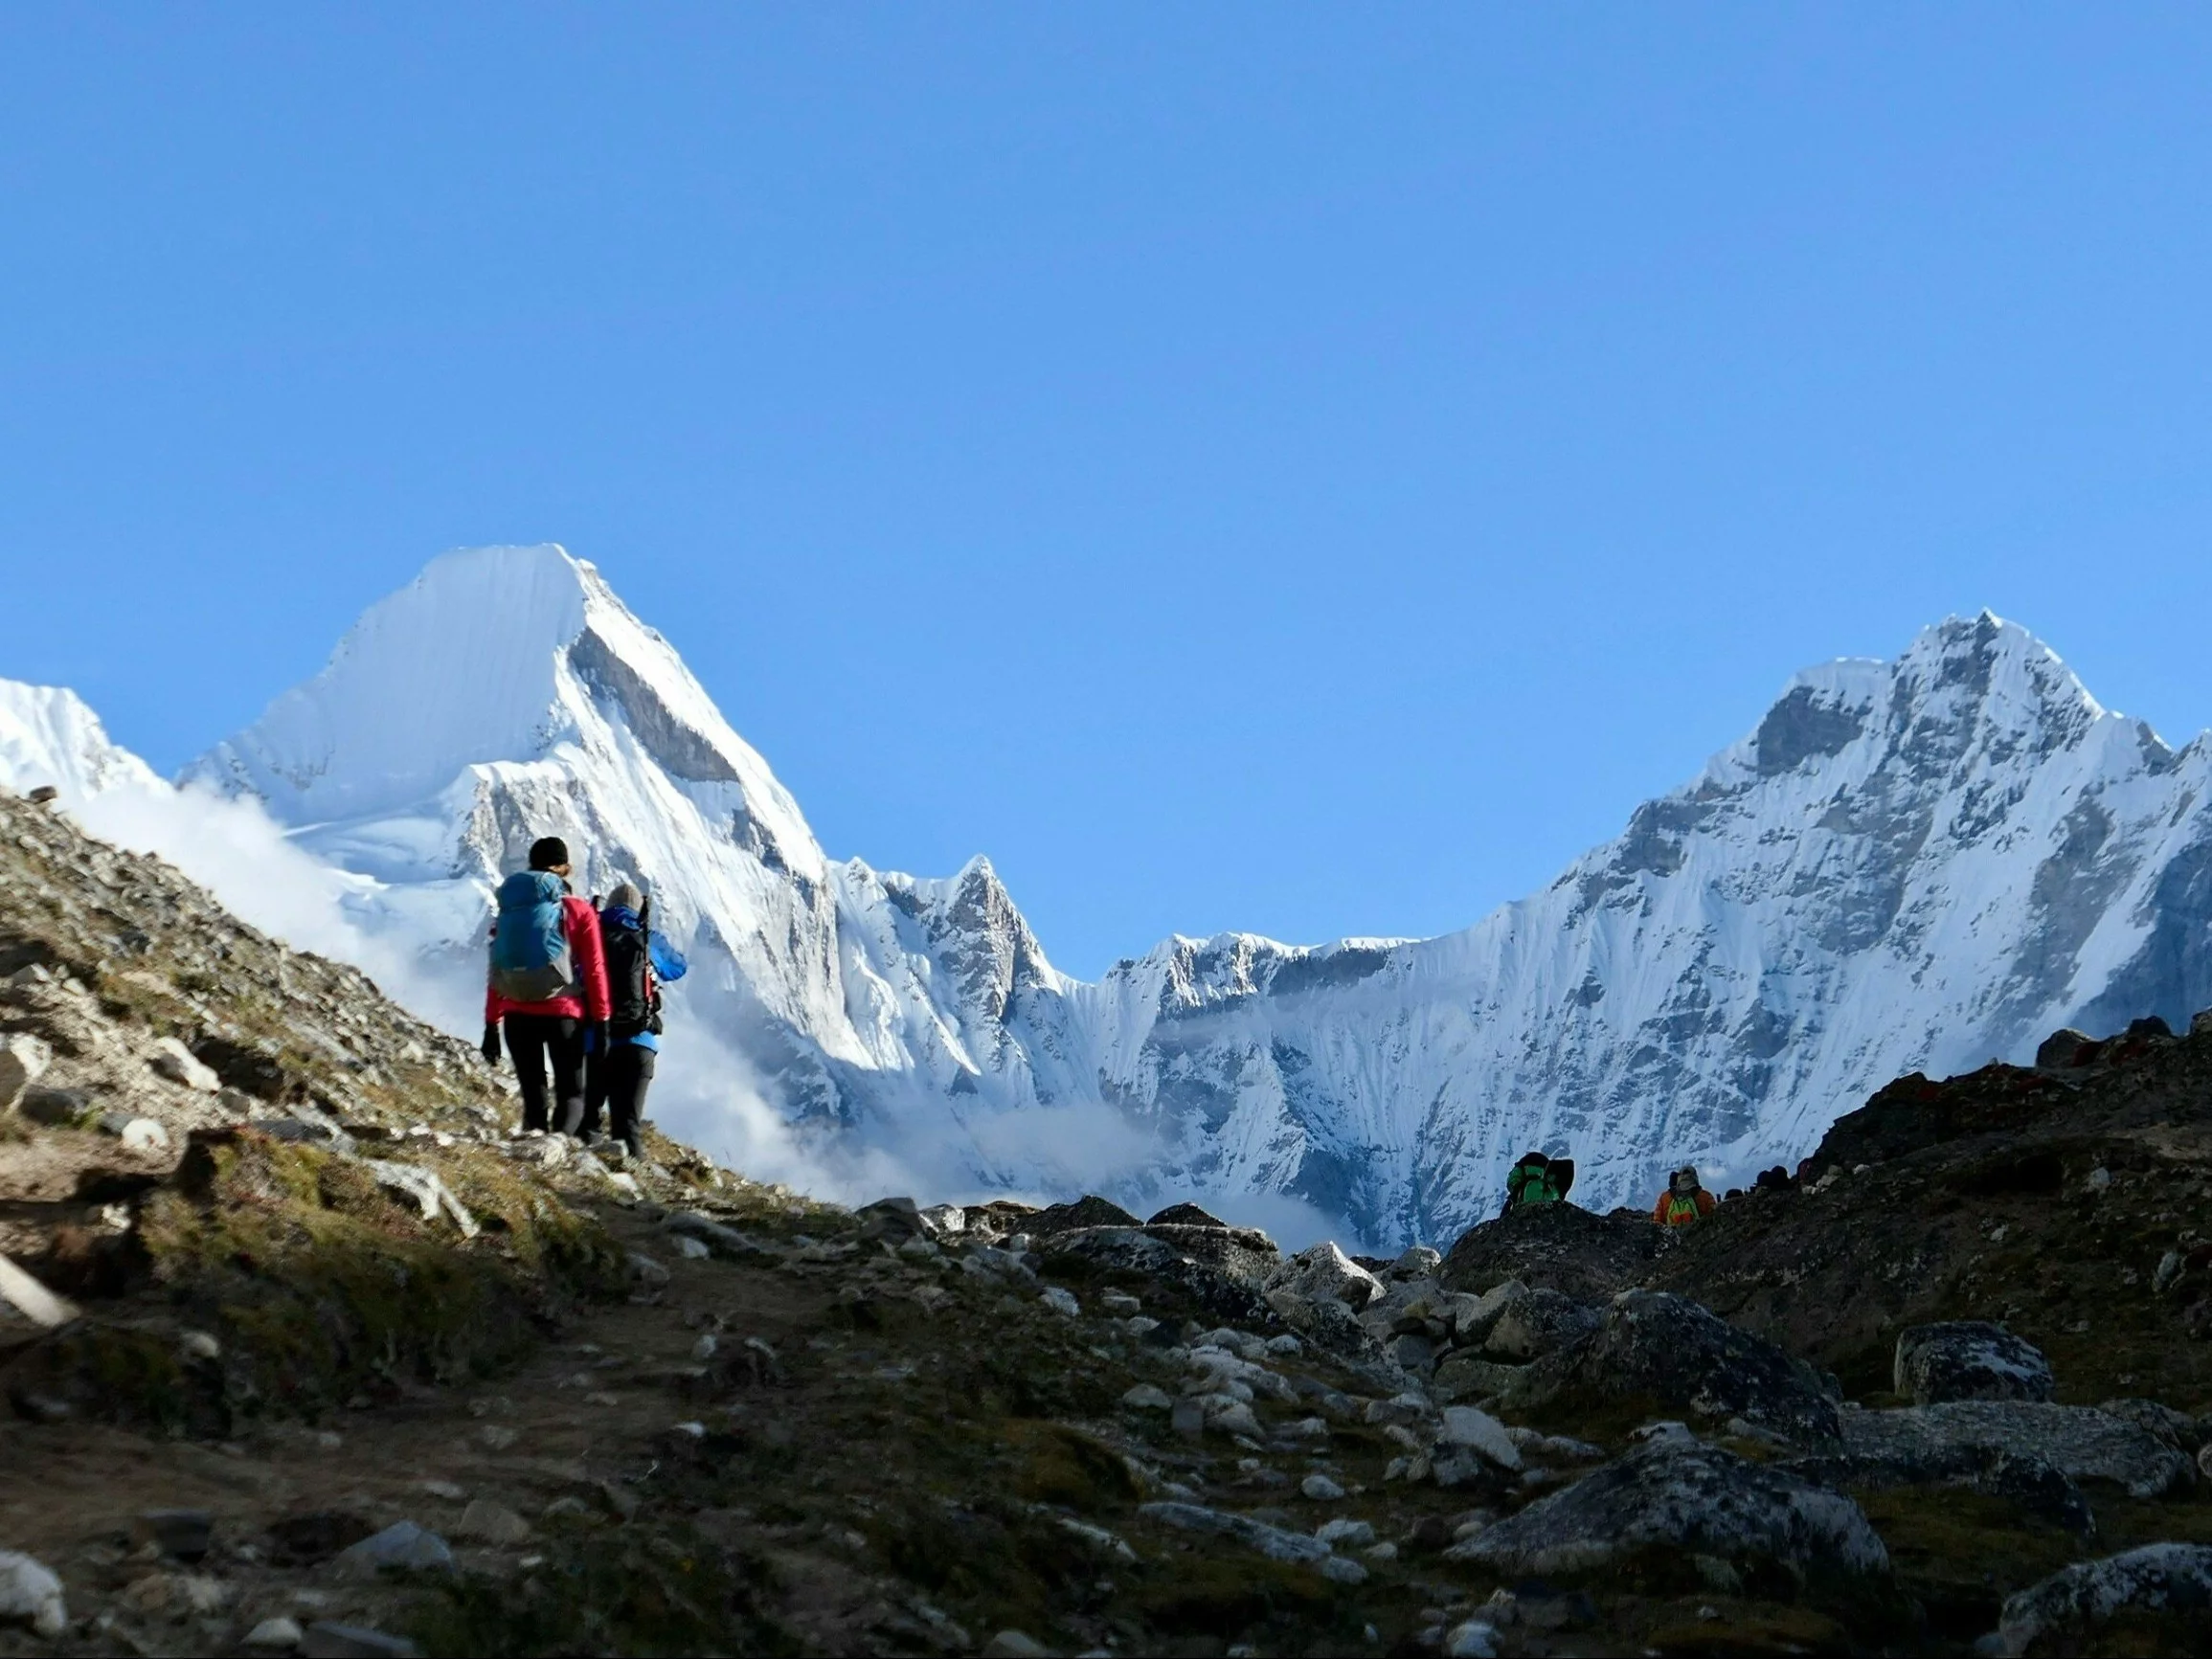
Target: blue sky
1304,469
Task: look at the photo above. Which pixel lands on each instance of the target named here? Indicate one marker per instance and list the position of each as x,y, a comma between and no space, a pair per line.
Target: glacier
1917,864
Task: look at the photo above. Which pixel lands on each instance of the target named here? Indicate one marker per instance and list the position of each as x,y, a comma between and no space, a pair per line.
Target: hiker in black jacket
621,1069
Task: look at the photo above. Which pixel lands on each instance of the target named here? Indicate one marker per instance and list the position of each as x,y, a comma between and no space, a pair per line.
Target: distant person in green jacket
1538,1179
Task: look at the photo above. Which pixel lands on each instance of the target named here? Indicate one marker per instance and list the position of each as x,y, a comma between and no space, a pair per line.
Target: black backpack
634,1000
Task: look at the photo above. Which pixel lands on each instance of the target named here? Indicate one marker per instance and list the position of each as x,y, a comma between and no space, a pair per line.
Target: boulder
719,1240
2030,1484
1220,1293
1185,1216
1538,1322
1560,1247
2064,1050
2081,1442
1417,1261
1651,1346
1969,1359
1676,1495
896,1219
1087,1211
1325,1273
2174,1580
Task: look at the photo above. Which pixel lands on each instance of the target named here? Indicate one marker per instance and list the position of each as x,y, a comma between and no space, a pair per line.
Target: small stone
1346,1533
1321,1488
1382,1552
1061,1300
1338,1570
706,1346
450,1490
1189,1417
492,1523
691,1249
278,1635
199,1345
30,1593
1014,1645
1285,1345
172,1060
645,1271
1148,1397
178,1595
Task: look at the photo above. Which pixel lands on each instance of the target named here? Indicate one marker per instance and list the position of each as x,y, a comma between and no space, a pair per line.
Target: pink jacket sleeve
591,957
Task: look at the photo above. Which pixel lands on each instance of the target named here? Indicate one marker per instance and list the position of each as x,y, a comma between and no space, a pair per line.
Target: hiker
1684,1201
620,1069
547,985
1537,1180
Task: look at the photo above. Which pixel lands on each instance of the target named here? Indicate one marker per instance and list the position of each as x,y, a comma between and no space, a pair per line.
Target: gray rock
2079,1441
1323,1490
1477,1431
278,1635
1148,1397
2065,1048
1416,1354
1273,1542
2177,1428
1969,1359
403,1546
1538,1322
645,1271
1651,1345
1345,1533
1325,1273
1677,1494
425,1187
725,1242
691,1249
2029,1484
2169,1578
896,1219
328,1640
58,1108
23,1062
1417,1261
491,1523
172,1060
24,1294
31,1594
1220,1294
1556,1246
1061,1301
1014,1645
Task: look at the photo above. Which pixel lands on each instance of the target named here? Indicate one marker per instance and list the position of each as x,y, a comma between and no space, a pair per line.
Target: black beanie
548,852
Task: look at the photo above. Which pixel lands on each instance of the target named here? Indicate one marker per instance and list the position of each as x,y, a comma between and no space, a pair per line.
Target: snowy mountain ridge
1912,864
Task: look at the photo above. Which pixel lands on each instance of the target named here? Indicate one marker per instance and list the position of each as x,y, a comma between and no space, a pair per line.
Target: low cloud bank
707,1094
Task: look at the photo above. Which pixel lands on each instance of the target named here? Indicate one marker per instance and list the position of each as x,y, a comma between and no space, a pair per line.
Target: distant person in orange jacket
1684,1201
547,985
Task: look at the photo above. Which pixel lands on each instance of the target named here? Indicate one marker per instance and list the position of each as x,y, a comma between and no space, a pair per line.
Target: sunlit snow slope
1912,864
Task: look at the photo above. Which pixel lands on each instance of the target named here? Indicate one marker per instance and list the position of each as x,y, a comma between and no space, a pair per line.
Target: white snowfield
1915,865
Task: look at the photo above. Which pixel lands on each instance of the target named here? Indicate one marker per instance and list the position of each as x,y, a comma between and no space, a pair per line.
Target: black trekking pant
533,1039
617,1080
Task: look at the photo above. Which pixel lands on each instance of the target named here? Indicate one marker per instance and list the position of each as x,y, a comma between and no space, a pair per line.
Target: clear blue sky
1310,469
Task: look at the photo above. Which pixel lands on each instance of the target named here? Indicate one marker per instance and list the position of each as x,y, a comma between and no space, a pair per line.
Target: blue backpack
529,948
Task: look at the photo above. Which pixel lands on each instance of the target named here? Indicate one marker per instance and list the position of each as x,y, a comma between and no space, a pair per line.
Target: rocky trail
304,1352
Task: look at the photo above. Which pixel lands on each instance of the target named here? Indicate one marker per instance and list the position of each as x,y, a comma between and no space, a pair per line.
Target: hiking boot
634,1144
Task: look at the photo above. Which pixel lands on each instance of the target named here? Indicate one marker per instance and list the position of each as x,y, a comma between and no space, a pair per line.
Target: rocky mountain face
1910,866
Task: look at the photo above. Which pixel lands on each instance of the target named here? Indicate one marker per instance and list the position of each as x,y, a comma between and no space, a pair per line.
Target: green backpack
1530,1182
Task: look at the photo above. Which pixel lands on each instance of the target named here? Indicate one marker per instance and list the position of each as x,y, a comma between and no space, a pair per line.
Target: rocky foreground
304,1352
